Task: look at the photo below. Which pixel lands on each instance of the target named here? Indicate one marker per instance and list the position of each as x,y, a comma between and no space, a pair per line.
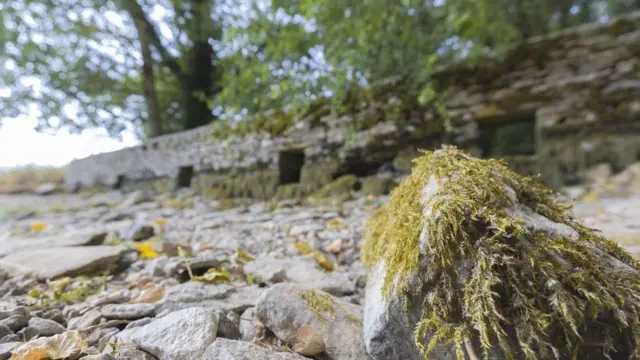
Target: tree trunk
196,86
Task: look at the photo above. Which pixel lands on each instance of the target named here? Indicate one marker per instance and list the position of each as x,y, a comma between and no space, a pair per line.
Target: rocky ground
139,277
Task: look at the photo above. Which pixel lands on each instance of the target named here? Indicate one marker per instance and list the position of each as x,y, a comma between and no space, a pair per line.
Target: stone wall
572,98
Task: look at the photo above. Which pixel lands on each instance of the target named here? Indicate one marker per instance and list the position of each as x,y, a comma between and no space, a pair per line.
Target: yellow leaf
323,261
69,344
161,222
39,226
213,276
336,224
303,248
590,197
244,256
146,250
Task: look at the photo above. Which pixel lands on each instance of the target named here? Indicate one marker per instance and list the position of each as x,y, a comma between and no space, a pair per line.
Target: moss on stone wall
335,192
290,192
259,184
377,185
316,175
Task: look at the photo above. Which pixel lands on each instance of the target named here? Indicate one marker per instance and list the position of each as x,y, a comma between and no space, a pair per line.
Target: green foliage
320,303
514,276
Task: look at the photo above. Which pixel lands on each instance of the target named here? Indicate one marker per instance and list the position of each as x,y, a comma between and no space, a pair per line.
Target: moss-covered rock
316,175
402,161
336,192
486,262
289,192
377,185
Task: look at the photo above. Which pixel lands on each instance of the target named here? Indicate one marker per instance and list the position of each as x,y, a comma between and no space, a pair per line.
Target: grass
28,178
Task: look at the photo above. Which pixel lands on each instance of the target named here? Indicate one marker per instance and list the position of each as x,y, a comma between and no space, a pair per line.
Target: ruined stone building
555,106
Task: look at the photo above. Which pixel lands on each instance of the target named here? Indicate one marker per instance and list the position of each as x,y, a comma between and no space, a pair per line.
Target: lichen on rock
496,263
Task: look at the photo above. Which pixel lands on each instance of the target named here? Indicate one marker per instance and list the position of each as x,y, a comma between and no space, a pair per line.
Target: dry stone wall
555,105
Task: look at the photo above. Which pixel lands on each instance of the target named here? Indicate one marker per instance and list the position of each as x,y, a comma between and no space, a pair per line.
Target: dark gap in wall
185,175
119,183
290,165
508,137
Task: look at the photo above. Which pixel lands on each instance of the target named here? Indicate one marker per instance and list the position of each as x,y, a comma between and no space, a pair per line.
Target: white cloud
21,145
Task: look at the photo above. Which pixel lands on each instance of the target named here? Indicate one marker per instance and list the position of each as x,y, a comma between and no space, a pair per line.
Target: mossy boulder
470,260
335,192
377,185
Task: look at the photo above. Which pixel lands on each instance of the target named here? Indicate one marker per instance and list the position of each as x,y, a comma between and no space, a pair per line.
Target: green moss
336,192
316,175
324,303
377,185
546,302
402,161
289,191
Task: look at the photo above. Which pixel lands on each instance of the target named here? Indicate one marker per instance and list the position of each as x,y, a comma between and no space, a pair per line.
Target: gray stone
82,237
5,349
46,327
137,232
127,311
46,189
20,310
183,334
5,330
98,357
247,330
301,270
223,297
85,321
138,323
58,262
16,322
11,338
283,310
28,333
225,349
131,353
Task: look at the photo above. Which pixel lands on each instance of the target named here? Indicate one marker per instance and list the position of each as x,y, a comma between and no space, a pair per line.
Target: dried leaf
150,294
146,250
161,222
308,342
39,226
214,276
69,344
323,261
303,248
244,256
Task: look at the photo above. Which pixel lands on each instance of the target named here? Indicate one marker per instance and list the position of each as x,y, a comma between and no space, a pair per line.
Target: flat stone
225,349
11,338
20,310
127,311
5,330
46,189
131,353
28,333
247,330
183,334
90,318
223,297
283,310
301,270
52,263
83,237
16,322
98,357
5,350
46,327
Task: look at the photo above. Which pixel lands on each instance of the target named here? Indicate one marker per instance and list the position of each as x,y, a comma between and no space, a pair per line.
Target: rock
225,349
20,310
98,357
5,350
127,311
183,334
11,338
82,237
599,174
433,271
85,321
130,353
138,323
137,232
53,263
247,330
55,315
301,270
4,330
283,310
28,333
46,189
223,297
16,322
46,327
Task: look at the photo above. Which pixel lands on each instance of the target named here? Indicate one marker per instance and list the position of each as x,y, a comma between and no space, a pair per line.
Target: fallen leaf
150,294
39,226
146,250
69,344
244,256
336,224
590,197
213,276
161,222
335,247
323,261
308,342
303,248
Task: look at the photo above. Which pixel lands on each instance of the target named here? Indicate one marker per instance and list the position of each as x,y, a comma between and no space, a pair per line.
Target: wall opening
290,165
119,183
509,138
185,176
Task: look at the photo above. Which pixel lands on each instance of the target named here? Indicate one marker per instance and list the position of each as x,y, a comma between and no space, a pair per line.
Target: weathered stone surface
52,263
247,330
28,333
5,330
85,321
223,297
127,311
15,322
5,350
183,334
301,270
98,357
46,327
129,353
46,189
283,310
88,236
224,349
20,310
